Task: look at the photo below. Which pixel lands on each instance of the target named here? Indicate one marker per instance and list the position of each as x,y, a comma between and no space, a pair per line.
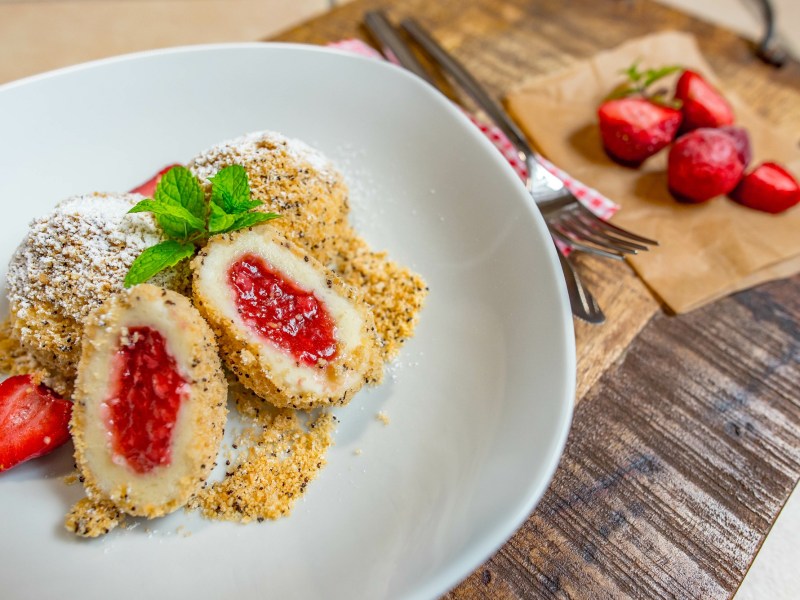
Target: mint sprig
157,258
231,201
178,188
231,190
638,83
174,219
188,219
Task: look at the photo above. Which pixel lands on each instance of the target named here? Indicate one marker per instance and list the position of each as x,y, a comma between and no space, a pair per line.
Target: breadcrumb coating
249,356
291,179
395,293
203,409
278,456
282,450
69,263
90,518
310,194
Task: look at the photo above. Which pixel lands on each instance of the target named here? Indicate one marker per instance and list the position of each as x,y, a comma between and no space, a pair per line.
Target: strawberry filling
289,317
148,395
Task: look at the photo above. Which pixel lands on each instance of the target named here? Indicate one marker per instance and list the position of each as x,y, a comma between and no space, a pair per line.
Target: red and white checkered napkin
591,198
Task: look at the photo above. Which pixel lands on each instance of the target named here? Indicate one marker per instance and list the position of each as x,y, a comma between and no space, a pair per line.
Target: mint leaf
662,100
155,259
637,81
632,72
623,90
252,218
224,223
181,218
231,190
219,221
653,75
187,219
178,187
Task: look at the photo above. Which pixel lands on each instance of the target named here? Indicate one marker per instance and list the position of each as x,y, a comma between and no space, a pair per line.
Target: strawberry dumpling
289,328
70,261
150,402
292,179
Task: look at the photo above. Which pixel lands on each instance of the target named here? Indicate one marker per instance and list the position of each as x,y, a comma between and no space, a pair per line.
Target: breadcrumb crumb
92,518
279,456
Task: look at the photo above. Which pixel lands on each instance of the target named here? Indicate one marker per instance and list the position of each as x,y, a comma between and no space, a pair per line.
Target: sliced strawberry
703,106
703,164
769,187
148,188
633,129
742,139
34,420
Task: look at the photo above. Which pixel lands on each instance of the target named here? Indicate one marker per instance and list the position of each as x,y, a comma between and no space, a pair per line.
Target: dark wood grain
688,442
677,463
505,42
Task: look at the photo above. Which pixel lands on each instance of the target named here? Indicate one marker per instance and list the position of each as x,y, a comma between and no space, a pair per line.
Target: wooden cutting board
686,443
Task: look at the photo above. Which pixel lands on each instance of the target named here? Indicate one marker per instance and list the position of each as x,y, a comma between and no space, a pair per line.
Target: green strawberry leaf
231,190
155,259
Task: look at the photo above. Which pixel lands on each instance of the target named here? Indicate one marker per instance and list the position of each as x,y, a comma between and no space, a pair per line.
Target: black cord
768,49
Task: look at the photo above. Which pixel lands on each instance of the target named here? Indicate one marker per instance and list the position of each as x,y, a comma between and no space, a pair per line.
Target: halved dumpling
288,328
291,179
150,402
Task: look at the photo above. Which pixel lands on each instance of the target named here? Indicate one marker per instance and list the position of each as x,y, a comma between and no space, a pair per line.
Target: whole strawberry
636,123
769,187
634,129
742,139
703,164
702,105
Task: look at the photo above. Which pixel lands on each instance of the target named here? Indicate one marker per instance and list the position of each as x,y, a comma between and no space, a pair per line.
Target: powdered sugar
253,146
76,256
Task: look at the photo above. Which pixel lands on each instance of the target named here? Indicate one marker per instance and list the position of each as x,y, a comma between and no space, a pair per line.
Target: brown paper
706,250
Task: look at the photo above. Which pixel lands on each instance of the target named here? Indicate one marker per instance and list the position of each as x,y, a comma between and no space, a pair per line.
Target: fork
567,218
583,304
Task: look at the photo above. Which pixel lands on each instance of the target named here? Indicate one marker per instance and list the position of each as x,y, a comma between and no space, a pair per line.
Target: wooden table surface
686,441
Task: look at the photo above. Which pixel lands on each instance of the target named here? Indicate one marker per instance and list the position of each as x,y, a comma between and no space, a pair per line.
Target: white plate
480,400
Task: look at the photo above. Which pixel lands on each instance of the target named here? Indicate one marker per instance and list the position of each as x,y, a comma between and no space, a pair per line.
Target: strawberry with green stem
635,123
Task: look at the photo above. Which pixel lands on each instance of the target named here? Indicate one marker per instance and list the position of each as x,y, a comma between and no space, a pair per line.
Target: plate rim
463,564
